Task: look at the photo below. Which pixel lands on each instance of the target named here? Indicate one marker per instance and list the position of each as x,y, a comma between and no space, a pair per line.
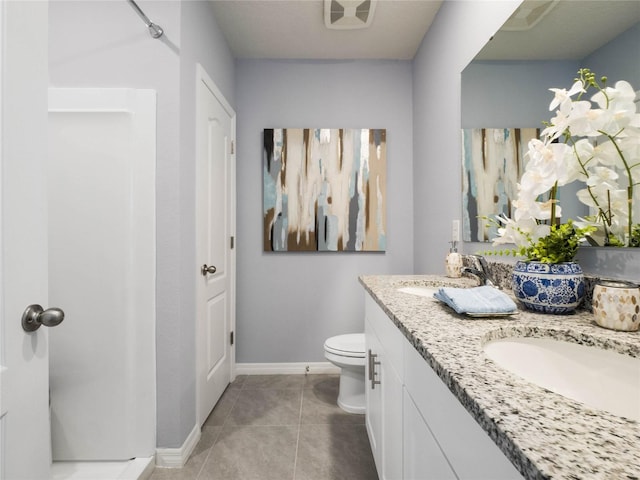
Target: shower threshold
135,469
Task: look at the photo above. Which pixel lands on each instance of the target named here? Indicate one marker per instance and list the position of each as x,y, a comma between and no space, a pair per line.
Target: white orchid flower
606,153
603,175
536,182
520,233
621,95
630,146
562,97
584,195
596,142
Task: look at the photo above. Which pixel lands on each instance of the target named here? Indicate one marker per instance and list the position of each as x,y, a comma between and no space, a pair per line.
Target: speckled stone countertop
544,434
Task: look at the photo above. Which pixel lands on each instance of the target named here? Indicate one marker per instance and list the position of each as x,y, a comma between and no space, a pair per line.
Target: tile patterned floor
279,427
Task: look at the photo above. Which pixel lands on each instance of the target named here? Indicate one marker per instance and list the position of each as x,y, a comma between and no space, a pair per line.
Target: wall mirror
507,84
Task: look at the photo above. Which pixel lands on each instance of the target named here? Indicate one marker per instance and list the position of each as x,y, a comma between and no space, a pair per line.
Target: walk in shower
101,231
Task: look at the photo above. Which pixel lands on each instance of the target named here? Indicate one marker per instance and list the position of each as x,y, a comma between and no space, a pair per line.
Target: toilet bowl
348,353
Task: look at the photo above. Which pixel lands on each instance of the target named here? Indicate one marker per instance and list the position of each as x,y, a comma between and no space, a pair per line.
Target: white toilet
348,353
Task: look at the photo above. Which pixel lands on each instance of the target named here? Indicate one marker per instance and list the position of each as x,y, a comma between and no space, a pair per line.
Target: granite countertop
544,434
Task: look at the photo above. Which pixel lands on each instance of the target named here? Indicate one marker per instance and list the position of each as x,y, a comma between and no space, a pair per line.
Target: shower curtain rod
154,30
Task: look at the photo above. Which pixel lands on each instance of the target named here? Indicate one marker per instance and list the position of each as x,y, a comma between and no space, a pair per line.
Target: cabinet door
391,387
423,458
384,391
468,448
373,396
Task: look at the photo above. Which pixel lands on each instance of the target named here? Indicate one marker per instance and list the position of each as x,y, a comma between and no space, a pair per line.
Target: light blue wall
618,59
459,31
289,303
516,93
511,94
201,42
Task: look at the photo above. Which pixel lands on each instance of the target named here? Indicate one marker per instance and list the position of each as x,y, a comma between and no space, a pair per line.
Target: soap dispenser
453,261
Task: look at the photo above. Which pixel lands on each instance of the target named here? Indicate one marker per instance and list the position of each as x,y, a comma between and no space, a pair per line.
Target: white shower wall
101,228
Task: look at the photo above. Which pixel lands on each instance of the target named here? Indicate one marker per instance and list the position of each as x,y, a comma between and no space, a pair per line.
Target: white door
215,217
24,357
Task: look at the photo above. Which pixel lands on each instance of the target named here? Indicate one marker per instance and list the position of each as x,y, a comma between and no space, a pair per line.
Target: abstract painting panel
492,163
324,190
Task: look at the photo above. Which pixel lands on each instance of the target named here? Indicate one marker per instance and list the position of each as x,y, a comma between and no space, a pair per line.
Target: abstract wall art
324,190
492,162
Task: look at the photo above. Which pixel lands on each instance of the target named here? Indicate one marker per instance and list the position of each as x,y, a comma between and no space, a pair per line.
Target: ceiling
571,30
294,29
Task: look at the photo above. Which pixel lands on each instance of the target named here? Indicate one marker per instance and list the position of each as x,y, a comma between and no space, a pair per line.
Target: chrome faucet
482,271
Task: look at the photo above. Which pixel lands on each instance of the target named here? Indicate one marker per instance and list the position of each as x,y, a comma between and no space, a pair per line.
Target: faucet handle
480,262
482,271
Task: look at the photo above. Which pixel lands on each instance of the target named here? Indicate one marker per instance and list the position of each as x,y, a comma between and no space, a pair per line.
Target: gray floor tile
224,406
265,406
273,381
247,453
253,434
311,381
334,452
238,382
319,403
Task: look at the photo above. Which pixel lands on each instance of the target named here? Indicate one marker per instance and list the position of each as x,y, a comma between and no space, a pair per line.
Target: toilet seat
349,345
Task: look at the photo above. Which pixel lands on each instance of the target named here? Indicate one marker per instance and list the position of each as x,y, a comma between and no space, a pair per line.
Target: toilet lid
349,345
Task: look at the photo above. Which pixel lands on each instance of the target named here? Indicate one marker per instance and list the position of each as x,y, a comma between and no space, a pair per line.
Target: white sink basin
598,378
420,291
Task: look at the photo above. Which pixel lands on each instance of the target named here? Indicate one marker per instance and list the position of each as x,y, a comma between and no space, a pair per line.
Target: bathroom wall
516,93
289,303
458,33
512,94
106,44
613,59
201,42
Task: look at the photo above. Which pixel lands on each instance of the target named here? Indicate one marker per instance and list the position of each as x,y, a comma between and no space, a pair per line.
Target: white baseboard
285,368
177,457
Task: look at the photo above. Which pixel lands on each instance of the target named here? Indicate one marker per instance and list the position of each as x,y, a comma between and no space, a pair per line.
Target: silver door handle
372,369
207,270
370,362
35,315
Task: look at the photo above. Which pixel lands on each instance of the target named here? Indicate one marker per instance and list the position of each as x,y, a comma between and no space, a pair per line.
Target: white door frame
24,380
203,77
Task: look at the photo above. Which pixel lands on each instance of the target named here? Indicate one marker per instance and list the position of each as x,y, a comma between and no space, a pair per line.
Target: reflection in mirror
507,85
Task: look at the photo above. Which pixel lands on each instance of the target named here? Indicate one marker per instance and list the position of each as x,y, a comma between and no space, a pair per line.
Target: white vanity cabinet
383,391
467,448
417,428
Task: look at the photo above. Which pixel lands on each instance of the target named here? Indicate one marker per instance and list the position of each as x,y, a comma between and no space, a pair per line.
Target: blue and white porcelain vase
548,287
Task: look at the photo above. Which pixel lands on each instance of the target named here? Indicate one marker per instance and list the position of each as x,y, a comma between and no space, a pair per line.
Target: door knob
35,315
207,269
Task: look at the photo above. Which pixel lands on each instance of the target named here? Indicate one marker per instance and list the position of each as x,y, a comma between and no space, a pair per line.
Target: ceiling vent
528,14
348,14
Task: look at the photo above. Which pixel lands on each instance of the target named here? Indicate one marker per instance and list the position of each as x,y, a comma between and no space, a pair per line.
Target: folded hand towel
476,300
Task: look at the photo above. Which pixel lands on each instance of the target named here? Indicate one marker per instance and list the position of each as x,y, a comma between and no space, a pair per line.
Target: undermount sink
599,378
419,291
